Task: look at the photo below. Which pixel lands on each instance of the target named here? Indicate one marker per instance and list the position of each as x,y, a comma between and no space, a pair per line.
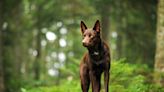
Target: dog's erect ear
97,26
83,27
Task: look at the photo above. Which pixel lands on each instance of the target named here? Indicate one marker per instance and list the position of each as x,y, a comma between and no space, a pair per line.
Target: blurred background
40,44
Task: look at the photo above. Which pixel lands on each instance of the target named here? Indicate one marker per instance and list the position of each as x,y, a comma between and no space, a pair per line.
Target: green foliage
125,77
65,86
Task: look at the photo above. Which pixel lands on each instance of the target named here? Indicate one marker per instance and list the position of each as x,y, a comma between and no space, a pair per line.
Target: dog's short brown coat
95,61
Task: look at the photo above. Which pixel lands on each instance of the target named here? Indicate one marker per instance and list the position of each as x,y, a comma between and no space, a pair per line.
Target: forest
41,44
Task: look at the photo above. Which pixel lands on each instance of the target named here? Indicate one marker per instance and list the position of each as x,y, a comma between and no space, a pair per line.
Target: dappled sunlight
61,57
53,72
51,36
62,42
63,31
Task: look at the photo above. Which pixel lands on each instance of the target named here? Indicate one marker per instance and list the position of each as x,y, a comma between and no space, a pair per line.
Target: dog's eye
84,35
89,35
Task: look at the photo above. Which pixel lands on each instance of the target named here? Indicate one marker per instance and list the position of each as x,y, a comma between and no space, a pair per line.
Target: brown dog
95,61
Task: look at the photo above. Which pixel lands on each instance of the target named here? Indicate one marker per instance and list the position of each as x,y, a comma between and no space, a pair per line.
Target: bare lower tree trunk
1,66
159,57
2,86
38,57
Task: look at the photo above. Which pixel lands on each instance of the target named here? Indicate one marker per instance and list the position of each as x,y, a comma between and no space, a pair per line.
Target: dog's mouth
87,45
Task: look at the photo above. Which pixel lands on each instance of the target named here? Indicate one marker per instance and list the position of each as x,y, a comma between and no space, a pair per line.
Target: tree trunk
1,66
38,56
119,39
159,57
103,9
2,87
105,22
8,34
38,47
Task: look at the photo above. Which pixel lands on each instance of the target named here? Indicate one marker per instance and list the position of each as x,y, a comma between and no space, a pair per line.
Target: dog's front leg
106,79
95,79
84,77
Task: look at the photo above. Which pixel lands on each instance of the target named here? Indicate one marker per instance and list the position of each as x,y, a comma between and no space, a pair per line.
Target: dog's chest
97,58
98,68
97,63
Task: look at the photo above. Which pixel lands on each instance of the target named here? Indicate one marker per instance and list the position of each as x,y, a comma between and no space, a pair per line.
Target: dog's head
91,36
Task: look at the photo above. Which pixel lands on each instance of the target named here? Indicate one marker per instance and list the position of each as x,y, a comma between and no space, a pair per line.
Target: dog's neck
97,49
